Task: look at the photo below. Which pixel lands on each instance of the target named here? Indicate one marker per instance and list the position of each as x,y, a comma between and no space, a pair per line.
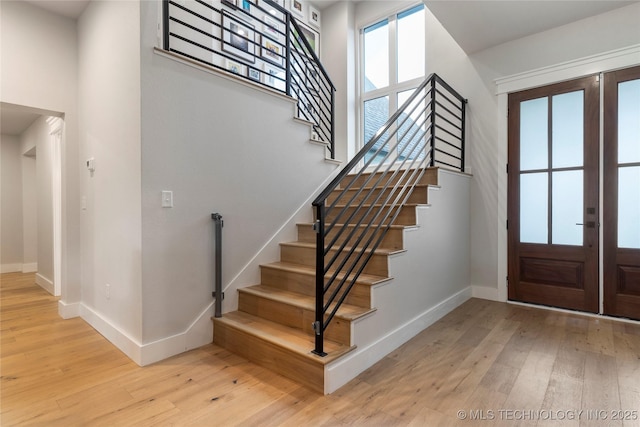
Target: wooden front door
553,195
622,193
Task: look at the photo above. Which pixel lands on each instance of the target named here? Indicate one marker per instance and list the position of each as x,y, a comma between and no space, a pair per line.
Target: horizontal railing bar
450,89
446,131
448,164
450,102
444,107
448,143
448,121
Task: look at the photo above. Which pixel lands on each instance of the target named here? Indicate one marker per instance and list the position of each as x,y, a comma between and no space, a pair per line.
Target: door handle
590,224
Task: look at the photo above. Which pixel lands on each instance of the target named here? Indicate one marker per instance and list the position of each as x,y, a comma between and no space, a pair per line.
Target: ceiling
478,25
69,8
15,121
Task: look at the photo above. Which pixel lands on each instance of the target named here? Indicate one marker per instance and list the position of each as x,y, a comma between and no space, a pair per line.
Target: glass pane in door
567,208
629,207
629,122
568,129
534,202
534,138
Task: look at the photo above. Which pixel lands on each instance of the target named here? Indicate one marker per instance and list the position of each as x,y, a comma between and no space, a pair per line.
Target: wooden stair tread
347,312
379,251
290,339
368,205
369,187
363,279
393,226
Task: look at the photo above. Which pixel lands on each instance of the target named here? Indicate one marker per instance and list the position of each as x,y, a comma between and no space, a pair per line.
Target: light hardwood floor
502,364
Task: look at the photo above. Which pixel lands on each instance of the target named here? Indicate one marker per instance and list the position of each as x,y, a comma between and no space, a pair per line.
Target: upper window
393,62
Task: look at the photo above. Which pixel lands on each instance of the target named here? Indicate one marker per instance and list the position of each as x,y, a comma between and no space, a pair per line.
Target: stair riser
392,240
407,215
275,358
430,177
377,265
360,295
339,330
418,196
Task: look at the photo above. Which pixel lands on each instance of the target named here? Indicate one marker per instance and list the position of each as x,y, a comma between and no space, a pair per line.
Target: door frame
557,257
601,63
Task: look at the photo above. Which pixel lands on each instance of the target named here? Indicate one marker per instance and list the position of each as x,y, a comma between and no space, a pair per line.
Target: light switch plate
167,199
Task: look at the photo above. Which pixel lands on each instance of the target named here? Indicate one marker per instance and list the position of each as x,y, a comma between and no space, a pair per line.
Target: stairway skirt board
273,323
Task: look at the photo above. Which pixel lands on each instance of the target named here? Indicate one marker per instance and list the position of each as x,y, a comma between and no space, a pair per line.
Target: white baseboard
68,310
45,283
30,267
10,268
120,339
199,333
344,370
485,292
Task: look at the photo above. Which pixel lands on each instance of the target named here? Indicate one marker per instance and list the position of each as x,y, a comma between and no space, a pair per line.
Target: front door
553,195
553,207
622,193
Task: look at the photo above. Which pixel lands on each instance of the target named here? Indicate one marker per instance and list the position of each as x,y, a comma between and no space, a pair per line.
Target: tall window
393,64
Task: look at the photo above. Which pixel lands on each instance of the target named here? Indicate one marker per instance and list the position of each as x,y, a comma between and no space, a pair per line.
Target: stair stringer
430,279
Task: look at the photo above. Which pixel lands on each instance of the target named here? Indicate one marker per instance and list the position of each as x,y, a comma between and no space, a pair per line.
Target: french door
554,201
622,193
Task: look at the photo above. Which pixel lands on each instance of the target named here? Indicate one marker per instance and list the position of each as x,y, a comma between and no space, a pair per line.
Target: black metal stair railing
260,42
355,211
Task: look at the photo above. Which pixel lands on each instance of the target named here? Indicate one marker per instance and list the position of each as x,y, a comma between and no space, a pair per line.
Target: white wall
38,68
11,244
109,132
220,146
339,38
584,38
429,280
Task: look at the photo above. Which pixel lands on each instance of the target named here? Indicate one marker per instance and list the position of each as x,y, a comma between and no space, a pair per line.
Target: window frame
394,88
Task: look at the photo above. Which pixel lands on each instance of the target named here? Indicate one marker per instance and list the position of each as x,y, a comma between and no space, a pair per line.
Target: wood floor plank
484,356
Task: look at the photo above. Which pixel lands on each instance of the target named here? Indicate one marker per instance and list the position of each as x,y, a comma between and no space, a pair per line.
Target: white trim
485,292
11,268
68,311
44,283
607,61
199,333
342,371
56,125
117,337
30,267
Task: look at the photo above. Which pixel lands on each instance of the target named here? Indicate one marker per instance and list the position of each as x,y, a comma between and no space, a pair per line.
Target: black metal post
433,121
217,293
165,24
318,325
333,124
462,142
288,55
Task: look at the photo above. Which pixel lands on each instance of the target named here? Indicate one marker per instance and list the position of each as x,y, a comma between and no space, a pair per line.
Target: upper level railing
258,41
354,213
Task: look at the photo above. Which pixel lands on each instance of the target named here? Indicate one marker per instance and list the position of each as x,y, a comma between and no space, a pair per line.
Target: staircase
273,324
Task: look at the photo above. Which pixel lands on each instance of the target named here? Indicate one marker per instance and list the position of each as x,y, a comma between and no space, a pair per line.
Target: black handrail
422,132
281,59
